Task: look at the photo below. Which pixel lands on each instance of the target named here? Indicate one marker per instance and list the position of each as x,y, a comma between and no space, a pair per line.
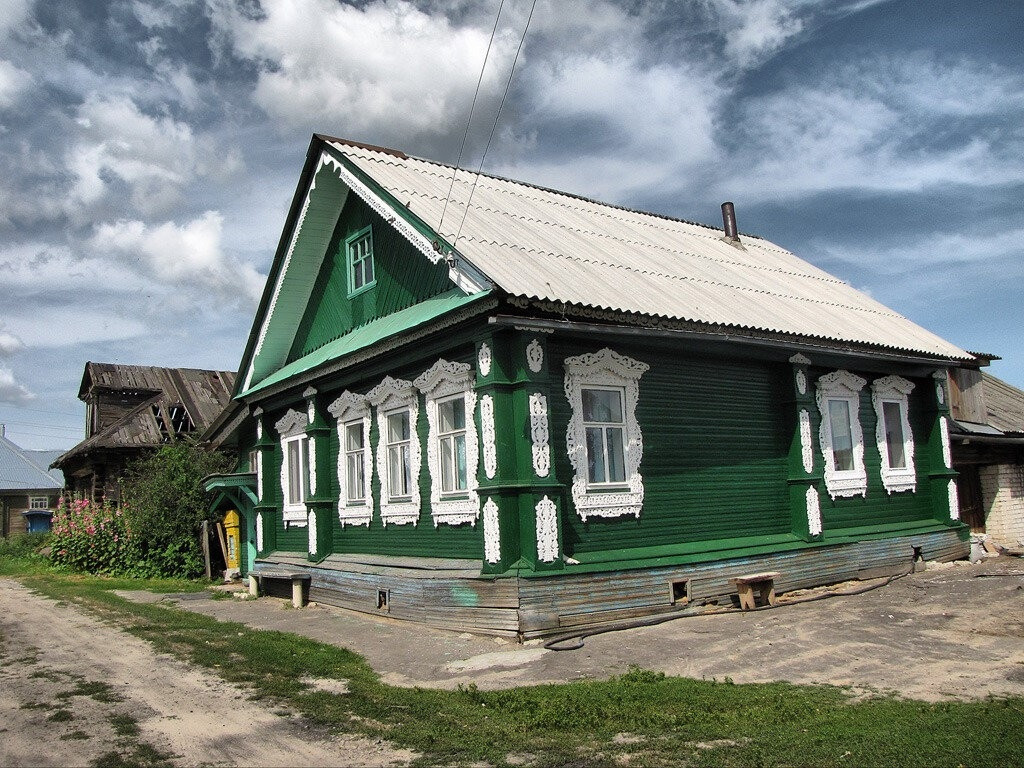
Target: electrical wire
497,115
472,108
555,644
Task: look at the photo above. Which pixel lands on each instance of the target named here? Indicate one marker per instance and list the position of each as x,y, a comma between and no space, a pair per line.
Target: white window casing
492,532
890,398
294,466
540,450
838,397
608,371
393,397
451,383
351,411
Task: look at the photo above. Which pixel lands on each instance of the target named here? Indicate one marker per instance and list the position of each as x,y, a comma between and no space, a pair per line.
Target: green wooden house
540,411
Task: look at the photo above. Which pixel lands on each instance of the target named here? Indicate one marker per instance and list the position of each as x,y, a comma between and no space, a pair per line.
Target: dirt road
73,689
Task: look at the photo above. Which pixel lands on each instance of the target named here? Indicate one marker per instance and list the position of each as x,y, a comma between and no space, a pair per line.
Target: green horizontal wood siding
403,277
716,436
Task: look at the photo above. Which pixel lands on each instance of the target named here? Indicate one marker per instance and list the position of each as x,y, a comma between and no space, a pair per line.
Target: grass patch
124,725
669,721
61,716
75,736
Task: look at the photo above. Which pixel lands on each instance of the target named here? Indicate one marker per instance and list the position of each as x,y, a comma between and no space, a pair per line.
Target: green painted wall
715,459
403,276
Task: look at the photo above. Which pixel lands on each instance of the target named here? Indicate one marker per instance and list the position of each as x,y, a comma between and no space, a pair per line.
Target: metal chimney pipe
729,220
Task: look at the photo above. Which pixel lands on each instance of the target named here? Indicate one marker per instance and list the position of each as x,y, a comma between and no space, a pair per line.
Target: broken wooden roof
161,392
1004,405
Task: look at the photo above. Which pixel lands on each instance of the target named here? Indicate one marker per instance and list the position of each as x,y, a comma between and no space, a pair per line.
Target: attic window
178,421
359,250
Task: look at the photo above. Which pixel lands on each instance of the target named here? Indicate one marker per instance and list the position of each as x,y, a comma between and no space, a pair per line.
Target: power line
472,108
497,115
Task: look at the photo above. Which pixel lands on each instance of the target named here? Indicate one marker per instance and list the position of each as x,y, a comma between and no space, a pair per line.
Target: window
890,397
451,437
399,444
39,502
355,466
452,444
296,453
398,450
296,459
355,469
359,250
605,425
840,434
603,438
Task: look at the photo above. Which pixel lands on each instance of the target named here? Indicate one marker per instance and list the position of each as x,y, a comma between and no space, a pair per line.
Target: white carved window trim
605,368
487,436
292,428
813,511
842,385
351,408
388,397
443,381
492,532
539,434
547,530
894,389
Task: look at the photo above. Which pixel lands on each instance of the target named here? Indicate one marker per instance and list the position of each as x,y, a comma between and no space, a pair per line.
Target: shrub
164,505
26,545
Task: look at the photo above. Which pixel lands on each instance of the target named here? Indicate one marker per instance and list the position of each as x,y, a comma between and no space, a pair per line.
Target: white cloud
11,391
9,344
190,254
386,69
12,14
887,125
13,81
755,29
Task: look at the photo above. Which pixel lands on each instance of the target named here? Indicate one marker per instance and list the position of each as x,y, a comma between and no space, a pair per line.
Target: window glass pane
842,434
354,437
892,413
595,455
460,462
447,465
397,472
602,405
616,455
406,471
368,269
355,490
294,459
398,427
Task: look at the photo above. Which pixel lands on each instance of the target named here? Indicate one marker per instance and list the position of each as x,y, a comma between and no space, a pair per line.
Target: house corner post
319,504
542,498
496,472
267,465
804,467
942,477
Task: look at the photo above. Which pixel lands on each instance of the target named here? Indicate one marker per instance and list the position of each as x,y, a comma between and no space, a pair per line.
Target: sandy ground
955,630
50,650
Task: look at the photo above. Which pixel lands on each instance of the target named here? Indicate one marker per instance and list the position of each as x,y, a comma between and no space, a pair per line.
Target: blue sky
148,151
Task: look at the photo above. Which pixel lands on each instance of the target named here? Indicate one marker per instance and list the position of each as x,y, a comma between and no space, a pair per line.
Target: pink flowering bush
94,538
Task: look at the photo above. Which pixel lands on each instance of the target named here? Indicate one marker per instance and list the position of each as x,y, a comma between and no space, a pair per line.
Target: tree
164,503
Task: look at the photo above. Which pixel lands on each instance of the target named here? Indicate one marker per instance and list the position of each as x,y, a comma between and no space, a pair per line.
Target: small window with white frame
893,435
359,253
39,502
294,466
452,443
605,424
355,467
840,433
603,437
398,450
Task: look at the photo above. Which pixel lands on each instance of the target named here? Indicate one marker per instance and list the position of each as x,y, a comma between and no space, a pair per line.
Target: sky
149,150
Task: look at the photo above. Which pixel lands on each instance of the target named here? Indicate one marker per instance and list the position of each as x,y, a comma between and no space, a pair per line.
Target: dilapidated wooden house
540,411
29,490
133,409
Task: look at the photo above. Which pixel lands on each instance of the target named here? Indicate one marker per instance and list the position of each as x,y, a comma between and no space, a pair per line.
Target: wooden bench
763,583
299,580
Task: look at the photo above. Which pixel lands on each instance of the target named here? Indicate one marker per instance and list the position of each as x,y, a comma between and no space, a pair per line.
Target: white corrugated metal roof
552,246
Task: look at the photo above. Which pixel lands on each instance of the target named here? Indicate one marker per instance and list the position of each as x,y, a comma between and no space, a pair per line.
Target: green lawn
639,719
